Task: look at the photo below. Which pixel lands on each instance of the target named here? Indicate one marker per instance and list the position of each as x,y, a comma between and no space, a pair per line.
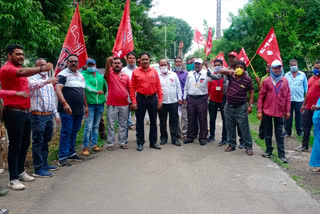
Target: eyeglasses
73,61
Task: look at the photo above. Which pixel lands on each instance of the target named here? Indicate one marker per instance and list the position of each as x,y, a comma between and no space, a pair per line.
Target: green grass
296,178
316,192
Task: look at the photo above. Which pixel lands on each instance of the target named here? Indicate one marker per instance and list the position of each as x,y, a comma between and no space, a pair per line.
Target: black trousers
213,110
146,103
278,127
307,126
172,110
18,125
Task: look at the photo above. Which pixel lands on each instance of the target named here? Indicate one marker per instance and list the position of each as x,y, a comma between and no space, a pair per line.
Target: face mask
190,67
92,69
131,67
316,71
44,73
164,69
217,68
268,70
294,68
239,71
178,68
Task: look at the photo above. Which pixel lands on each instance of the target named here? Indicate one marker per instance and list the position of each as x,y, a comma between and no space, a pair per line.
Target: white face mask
44,73
164,69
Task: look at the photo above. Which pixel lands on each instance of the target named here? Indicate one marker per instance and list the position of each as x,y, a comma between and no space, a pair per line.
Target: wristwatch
251,105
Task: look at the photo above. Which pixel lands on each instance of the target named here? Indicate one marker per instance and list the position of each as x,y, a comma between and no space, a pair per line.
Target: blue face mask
294,68
316,71
92,69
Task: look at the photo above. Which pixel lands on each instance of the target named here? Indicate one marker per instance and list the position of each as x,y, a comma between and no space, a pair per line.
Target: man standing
298,84
310,99
172,94
195,96
117,102
72,105
216,92
43,107
95,89
273,104
146,83
17,113
236,109
182,75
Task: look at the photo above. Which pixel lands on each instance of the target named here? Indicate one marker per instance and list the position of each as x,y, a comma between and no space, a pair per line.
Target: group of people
184,95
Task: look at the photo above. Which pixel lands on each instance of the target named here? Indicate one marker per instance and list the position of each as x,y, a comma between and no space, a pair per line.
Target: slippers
110,148
132,128
315,170
124,146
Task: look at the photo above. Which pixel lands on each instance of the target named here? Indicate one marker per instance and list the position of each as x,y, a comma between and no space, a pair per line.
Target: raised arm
27,72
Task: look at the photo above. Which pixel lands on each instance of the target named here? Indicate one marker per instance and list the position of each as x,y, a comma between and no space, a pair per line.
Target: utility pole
165,41
218,19
174,49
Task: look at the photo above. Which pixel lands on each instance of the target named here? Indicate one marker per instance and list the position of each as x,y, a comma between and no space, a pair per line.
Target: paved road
189,179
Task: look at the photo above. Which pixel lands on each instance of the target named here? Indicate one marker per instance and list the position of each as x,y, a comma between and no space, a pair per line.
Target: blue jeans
42,128
295,106
70,125
91,124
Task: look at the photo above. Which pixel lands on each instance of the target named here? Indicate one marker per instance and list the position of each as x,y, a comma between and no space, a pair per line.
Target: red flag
269,49
208,47
243,56
198,38
124,41
73,44
220,56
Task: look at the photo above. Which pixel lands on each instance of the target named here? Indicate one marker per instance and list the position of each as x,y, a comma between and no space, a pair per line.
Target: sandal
132,128
124,146
110,148
229,149
249,152
316,170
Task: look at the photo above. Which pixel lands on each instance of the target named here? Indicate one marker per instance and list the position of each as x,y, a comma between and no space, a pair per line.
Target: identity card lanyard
197,79
277,90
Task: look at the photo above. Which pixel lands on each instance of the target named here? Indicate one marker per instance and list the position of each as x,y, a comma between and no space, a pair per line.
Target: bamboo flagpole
255,74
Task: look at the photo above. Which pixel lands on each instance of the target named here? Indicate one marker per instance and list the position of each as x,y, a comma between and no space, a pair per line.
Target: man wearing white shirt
172,95
196,96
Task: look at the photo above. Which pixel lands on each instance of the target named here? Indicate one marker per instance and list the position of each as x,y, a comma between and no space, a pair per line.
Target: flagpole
199,51
255,74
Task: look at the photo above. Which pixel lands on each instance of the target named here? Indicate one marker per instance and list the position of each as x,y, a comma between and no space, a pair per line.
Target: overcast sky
195,11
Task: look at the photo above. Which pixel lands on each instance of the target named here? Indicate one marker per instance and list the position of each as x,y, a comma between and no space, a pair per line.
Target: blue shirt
298,86
182,77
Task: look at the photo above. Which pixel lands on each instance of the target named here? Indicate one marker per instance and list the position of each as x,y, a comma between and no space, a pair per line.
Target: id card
196,85
218,88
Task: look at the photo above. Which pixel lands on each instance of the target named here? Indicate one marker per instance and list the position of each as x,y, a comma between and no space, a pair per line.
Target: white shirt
170,86
196,83
128,71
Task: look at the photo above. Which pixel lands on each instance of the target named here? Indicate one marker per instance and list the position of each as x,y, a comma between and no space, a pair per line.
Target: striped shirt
238,88
42,95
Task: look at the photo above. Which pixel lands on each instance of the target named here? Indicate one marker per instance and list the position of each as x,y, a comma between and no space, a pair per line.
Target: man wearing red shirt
117,102
311,98
274,103
17,113
146,83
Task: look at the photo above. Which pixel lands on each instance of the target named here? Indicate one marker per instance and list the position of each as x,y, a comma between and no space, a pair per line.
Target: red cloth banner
208,46
124,40
269,49
220,56
198,38
243,56
73,44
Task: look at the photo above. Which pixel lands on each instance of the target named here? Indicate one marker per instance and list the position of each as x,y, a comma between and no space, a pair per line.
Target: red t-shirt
215,90
118,88
313,93
10,81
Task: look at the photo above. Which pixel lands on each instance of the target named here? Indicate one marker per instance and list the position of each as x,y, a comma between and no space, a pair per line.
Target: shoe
286,135
96,148
140,147
85,151
266,155
299,134
103,137
3,192
16,185
229,149
155,146
177,143
203,142
75,158
211,138
283,159
64,162
188,140
301,149
4,211
222,143
42,173
261,137
25,177
178,136
50,168
241,146
163,141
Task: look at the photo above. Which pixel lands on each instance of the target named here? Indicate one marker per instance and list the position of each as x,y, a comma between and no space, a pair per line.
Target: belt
25,110
42,113
151,95
197,96
236,105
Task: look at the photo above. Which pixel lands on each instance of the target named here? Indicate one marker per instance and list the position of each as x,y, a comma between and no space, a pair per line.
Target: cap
276,63
198,60
233,54
91,61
